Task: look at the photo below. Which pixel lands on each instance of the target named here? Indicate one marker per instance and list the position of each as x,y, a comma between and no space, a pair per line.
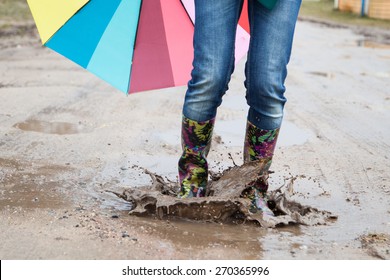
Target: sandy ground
66,137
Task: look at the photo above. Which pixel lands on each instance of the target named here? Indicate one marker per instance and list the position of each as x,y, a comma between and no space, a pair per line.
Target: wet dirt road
66,137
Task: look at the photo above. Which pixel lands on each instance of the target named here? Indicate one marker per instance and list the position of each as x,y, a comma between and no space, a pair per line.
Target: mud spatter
224,201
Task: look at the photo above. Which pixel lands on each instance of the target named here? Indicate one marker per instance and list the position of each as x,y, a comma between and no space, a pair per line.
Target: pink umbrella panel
163,50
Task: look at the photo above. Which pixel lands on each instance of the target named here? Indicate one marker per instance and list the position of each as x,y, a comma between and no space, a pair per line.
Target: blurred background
15,17
364,12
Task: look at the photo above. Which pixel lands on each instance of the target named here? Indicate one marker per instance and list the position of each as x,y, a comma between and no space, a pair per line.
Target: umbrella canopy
135,45
51,15
163,53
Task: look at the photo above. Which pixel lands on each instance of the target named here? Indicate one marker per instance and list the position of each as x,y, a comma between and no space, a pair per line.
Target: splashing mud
224,201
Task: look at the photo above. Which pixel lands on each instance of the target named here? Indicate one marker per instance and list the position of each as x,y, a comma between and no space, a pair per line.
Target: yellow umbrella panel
51,15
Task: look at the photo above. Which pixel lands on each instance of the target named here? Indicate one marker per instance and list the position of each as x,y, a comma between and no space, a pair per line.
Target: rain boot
260,145
193,168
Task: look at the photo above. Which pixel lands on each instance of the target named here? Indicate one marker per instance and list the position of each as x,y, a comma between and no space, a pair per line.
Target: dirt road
66,137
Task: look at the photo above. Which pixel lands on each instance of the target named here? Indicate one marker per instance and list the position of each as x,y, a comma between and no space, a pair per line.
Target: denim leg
269,52
214,42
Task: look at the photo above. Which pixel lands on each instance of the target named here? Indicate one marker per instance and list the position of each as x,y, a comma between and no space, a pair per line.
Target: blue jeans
269,52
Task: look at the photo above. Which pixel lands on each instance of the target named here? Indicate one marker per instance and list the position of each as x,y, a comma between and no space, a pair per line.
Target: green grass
18,11
14,11
324,10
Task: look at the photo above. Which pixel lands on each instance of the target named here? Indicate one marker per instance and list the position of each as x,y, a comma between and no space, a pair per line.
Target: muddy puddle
233,133
225,200
29,186
206,240
60,128
199,229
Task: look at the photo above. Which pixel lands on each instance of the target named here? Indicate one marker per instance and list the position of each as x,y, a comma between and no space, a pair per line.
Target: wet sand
66,137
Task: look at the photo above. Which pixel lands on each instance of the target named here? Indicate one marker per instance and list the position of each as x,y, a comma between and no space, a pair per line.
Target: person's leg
214,41
269,52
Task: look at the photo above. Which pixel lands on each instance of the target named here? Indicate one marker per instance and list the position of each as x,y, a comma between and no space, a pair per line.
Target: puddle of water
232,133
61,128
291,135
22,186
31,196
198,239
241,241
371,44
169,137
129,173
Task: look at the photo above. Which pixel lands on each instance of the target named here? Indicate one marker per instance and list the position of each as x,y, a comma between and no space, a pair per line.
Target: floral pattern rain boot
193,168
259,144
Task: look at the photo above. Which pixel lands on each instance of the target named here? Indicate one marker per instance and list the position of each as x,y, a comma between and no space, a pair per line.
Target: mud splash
224,201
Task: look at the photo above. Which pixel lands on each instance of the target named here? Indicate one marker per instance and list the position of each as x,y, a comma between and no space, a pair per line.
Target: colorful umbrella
135,45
